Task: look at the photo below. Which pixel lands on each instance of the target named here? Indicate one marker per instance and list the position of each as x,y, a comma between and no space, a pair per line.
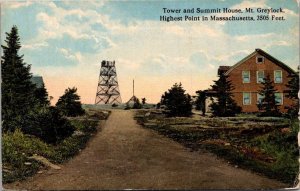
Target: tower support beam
108,88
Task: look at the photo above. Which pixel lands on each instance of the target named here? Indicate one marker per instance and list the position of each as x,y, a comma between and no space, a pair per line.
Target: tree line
178,103
26,106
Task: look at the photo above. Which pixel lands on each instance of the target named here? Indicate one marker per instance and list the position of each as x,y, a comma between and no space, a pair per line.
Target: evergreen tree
177,102
41,95
143,101
268,104
225,105
17,89
200,101
293,86
69,104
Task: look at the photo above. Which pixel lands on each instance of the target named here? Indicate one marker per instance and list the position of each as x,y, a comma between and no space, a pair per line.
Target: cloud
74,37
17,5
32,46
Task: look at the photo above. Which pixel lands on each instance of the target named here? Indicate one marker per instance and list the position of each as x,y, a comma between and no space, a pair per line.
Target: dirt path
124,155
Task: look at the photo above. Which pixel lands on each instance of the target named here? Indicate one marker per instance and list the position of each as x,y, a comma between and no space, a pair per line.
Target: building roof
266,55
38,81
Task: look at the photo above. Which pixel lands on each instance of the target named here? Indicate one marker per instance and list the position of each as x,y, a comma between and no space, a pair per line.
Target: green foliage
268,105
200,101
48,125
225,105
177,102
41,96
17,89
86,126
16,148
293,89
69,104
69,147
284,148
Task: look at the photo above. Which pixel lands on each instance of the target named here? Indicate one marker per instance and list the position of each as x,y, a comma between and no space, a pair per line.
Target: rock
45,162
236,166
27,163
77,133
147,114
40,172
227,144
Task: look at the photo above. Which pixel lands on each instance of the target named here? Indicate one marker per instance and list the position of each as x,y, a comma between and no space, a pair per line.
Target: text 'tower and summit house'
246,77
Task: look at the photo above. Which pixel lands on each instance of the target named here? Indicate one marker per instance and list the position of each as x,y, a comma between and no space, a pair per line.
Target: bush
177,102
16,147
48,125
69,147
86,126
69,104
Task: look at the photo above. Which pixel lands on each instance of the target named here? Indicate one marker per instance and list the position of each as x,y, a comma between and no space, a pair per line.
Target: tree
41,96
177,102
200,101
69,104
143,101
293,86
225,105
268,104
17,88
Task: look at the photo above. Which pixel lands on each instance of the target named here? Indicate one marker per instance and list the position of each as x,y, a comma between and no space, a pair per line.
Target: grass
17,147
261,147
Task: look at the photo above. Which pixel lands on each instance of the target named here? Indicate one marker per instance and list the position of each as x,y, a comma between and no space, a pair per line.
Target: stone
45,162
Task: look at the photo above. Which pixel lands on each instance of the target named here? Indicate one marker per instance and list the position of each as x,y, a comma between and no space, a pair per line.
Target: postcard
198,94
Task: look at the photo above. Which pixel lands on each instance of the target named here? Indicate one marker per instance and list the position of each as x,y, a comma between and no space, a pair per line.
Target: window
278,76
260,98
259,59
246,98
260,75
246,76
278,98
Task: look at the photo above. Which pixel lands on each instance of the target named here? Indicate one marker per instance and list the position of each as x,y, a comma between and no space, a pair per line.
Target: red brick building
246,77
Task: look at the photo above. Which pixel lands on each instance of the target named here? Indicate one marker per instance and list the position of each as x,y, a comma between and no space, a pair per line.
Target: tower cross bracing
108,88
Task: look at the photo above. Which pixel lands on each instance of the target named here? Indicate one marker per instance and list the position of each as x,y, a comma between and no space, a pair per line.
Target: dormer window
260,60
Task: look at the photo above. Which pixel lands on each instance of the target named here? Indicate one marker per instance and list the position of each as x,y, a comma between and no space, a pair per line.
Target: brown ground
124,155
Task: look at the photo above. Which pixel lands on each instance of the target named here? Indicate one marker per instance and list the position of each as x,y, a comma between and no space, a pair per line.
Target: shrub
86,126
16,147
48,125
69,147
69,104
177,102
